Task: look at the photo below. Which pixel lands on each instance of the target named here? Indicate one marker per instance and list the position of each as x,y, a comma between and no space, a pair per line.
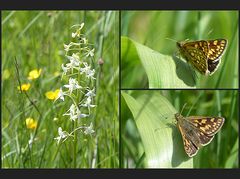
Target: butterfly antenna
183,108
171,39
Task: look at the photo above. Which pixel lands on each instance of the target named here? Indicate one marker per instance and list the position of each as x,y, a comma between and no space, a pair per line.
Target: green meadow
34,40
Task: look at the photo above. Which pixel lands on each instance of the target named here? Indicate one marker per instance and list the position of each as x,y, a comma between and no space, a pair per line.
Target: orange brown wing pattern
208,125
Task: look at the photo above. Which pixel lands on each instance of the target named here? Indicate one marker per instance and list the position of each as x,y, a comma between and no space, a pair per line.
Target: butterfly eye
178,44
177,115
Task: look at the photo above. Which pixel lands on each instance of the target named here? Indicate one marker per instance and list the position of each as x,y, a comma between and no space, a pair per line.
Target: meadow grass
34,40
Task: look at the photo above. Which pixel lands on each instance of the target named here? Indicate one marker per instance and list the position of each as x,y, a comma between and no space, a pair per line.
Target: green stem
75,126
218,103
75,146
199,35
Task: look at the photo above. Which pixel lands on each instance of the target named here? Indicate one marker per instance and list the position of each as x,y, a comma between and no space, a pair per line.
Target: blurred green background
152,28
35,39
222,152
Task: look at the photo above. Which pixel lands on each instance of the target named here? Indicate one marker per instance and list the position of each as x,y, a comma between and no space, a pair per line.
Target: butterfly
204,55
197,131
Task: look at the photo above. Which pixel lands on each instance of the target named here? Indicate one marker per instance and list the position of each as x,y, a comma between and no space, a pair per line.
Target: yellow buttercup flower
24,87
52,95
34,74
31,123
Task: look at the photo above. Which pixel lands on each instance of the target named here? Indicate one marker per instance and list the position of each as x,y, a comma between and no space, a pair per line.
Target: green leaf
163,71
154,116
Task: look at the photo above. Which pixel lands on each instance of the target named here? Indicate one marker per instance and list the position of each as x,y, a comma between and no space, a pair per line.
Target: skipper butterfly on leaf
197,131
204,55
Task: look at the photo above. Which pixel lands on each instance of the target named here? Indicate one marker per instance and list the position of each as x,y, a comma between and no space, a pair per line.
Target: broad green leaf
154,117
163,71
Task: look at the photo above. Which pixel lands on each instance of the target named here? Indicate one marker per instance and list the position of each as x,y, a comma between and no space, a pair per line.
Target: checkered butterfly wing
195,53
198,131
208,125
216,50
204,55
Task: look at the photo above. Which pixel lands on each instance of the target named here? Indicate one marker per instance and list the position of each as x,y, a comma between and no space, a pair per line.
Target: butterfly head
179,44
177,116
